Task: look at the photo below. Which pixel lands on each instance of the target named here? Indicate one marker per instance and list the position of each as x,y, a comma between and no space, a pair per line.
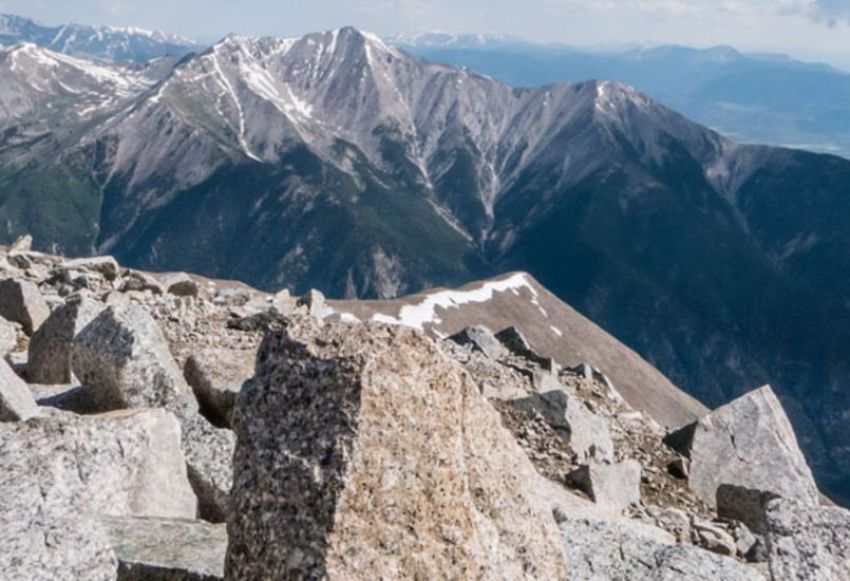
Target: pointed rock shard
747,443
315,303
16,400
805,542
181,285
50,347
364,452
21,302
482,339
21,244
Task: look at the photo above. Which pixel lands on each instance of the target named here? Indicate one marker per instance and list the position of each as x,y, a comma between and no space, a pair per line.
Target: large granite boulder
616,550
804,542
49,359
123,361
364,453
747,443
21,302
167,549
16,399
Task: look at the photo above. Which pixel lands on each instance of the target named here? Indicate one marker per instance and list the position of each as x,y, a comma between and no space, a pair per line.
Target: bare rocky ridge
366,448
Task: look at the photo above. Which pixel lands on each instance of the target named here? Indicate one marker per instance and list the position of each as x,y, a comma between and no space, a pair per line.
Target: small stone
713,538
679,468
181,285
615,487
157,548
21,244
314,302
133,280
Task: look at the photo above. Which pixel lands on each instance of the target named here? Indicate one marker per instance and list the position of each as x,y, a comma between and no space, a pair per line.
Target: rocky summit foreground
174,427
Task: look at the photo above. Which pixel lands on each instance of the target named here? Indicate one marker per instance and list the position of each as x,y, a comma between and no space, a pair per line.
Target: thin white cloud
830,12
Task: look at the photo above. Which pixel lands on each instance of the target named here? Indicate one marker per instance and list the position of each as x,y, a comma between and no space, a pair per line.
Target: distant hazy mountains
100,42
749,97
338,162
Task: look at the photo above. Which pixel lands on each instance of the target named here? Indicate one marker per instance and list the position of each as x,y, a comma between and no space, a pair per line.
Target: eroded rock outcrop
364,452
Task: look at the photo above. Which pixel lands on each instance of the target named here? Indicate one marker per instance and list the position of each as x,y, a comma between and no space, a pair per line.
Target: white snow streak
425,312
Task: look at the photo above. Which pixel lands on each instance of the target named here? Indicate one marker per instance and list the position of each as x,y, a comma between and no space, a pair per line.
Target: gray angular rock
748,443
482,339
167,549
613,486
513,339
216,376
55,546
612,550
123,360
181,285
714,538
16,400
314,302
587,433
21,302
365,453
744,505
49,359
135,281
209,455
8,337
122,463
673,520
804,542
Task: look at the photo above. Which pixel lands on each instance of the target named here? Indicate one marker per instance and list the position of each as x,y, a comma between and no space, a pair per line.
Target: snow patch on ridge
425,312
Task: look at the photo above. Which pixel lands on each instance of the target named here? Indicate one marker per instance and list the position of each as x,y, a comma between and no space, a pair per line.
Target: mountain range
336,161
99,42
755,98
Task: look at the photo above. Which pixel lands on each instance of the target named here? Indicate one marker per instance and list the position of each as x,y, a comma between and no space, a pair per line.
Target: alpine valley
338,162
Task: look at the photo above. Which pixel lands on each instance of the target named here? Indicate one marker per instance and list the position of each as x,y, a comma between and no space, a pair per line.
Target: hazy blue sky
804,28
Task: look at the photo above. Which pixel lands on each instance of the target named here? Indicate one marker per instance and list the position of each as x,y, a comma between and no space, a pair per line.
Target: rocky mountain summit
341,163
176,427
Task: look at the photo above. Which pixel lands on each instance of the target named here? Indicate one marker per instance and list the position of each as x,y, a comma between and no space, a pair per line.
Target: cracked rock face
364,452
749,443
